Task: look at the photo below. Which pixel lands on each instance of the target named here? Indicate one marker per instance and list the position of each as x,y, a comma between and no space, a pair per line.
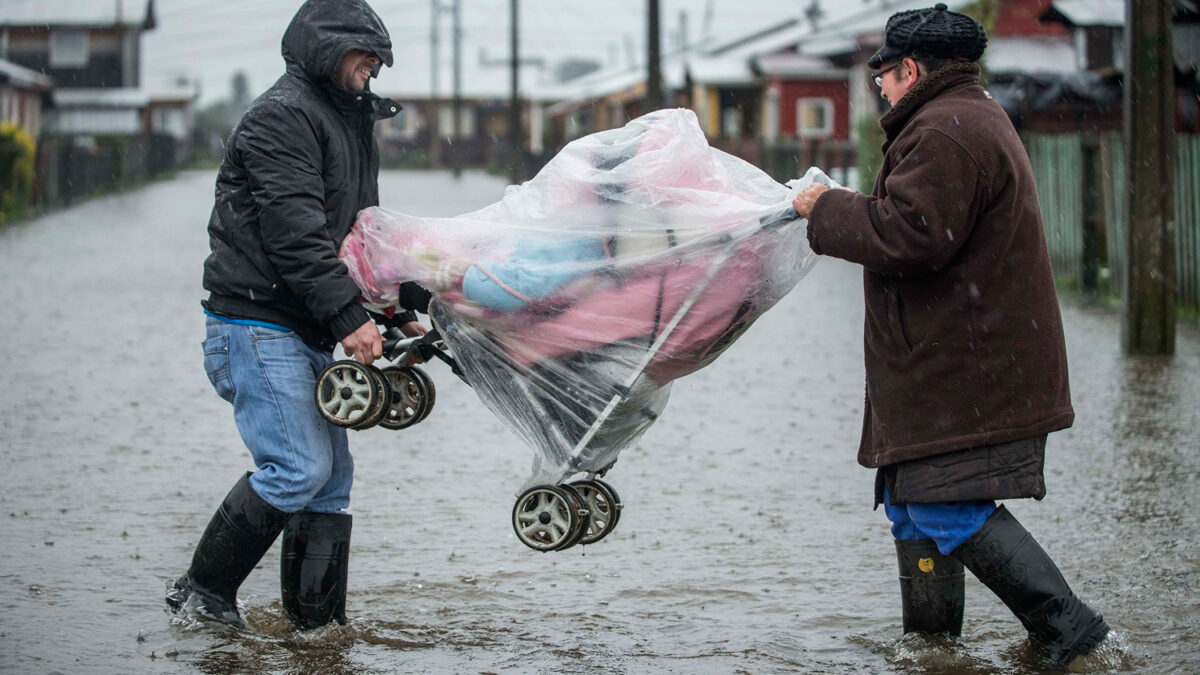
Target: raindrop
949,234
974,290
1034,321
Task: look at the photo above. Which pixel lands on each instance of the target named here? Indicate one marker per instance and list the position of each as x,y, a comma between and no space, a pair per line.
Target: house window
814,117
68,48
466,119
404,126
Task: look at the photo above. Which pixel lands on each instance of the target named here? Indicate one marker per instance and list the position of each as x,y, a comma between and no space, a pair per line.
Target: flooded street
747,543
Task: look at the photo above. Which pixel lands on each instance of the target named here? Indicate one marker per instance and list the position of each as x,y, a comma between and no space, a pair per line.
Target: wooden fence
1067,167
72,168
790,159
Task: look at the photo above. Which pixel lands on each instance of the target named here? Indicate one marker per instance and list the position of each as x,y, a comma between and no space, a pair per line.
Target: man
298,167
965,356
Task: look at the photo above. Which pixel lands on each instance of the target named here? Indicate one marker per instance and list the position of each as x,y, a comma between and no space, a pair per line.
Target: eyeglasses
878,77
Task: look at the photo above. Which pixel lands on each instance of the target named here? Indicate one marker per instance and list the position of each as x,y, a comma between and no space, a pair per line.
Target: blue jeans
948,524
269,375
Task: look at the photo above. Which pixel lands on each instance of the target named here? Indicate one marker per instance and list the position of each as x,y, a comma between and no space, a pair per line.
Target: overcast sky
210,40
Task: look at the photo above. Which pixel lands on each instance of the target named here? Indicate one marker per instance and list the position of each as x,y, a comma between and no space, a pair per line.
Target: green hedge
17,150
869,153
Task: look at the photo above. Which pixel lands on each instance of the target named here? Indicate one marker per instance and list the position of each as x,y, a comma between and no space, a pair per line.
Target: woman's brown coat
964,343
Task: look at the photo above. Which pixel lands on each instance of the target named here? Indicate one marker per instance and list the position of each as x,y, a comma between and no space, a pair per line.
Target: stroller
635,257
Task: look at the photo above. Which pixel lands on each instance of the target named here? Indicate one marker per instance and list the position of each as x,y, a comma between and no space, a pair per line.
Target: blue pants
948,524
269,374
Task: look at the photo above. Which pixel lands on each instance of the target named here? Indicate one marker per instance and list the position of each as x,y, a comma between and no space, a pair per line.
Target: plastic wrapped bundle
635,257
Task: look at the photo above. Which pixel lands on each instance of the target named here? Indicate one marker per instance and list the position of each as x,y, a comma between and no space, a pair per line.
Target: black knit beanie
934,32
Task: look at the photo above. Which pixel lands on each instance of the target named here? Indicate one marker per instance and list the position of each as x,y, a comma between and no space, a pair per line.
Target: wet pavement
747,543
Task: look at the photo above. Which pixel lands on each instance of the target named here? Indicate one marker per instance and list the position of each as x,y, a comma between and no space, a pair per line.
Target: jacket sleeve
282,154
927,214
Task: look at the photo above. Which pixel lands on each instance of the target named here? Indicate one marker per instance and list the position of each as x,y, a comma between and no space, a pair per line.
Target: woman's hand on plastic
365,344
807,199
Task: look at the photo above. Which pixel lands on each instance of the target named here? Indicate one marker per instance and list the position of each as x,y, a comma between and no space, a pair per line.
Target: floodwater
747,543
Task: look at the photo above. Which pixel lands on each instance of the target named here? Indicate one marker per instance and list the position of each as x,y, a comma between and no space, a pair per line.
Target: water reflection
747,544
1157,434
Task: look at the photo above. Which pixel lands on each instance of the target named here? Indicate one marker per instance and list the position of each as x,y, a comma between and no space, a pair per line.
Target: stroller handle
779,219
427,346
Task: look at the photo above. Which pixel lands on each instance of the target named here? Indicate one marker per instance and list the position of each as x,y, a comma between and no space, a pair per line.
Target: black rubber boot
1009,561
315,560
931,588
237,537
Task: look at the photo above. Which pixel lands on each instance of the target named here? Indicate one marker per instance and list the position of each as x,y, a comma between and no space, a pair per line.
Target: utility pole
1149,121
435,137
706,26
514,103
654,94
455,150
513,151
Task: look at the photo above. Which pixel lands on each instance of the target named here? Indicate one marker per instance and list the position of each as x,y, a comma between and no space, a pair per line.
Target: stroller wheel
603,508
582,516
345,392
544,518
430,391
407,400
616,500
379,403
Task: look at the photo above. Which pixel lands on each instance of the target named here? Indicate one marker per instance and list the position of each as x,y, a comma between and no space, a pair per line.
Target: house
426,124
93,44
786,94
1097,28
1079,87
169,110
22,94
103,126
610,97
92,52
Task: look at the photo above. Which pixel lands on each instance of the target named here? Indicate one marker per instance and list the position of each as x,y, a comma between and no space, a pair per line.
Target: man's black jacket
298,167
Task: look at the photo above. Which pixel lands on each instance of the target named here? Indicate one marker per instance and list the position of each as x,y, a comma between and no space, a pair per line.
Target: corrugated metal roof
832,36
791,64
1090,12
21,76
737,56
477,83
1031,55
122,97
721,71
101,98
611,81
831,45
77,13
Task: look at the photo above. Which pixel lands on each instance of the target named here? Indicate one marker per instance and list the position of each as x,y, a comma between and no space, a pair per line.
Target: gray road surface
747,543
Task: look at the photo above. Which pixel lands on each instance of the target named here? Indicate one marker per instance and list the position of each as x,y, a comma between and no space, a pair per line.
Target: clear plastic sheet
635,257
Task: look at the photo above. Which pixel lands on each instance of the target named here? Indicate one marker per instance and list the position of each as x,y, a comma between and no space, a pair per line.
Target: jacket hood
324,30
